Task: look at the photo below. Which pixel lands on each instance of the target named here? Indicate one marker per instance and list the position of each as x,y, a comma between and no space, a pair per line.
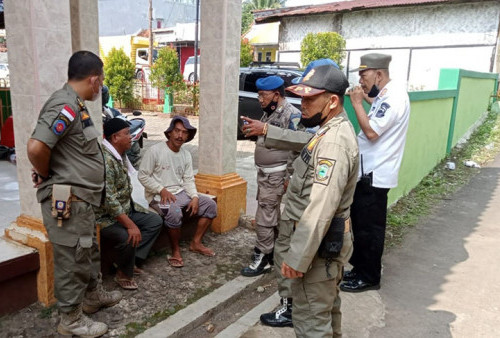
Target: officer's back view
69,174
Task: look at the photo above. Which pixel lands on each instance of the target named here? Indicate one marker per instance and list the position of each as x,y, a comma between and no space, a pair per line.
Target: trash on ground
450,165
471,164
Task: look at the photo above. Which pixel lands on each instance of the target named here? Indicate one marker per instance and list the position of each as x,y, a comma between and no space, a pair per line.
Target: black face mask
271,107
313,121
374,91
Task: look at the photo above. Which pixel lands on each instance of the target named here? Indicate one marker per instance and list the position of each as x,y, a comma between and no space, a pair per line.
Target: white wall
428,30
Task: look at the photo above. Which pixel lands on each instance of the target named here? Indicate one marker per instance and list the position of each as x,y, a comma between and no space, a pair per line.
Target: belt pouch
61,202
331,245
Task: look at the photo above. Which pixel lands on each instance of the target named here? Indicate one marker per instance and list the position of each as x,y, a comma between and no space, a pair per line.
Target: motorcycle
137,126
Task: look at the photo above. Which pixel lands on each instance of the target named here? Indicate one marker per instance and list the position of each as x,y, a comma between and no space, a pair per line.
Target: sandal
138,271
127,284
175,262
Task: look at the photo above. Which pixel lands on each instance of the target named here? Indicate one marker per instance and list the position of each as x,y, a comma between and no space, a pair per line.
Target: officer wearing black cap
381,146
271,167
314,240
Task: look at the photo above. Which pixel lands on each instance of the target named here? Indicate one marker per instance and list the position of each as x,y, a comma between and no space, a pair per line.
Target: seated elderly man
130,228
166,172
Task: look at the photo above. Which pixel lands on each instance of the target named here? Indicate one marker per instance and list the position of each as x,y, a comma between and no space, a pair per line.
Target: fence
439,119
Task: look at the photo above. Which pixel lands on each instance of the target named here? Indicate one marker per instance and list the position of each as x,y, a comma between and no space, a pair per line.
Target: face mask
374,91
271,107
315,120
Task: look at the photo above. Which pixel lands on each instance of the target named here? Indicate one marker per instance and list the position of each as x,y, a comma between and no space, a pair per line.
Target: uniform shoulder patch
323,170
382,110
63,120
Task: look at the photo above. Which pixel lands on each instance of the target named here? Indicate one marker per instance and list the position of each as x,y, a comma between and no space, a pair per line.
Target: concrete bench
162,242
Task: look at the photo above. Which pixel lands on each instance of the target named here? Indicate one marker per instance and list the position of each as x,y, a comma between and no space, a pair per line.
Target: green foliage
119,78
246,53
165,71
250,5
322,45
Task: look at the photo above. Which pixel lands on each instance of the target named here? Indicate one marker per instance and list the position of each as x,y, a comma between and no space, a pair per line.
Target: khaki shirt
76,157
322,187
285,116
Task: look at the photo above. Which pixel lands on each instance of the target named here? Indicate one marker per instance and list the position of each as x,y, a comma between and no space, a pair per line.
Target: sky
292,3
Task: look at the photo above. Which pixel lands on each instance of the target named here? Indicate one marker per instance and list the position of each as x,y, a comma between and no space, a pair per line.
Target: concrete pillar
220,57
40,35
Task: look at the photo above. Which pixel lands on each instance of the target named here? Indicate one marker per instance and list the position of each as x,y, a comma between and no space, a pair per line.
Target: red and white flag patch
68,112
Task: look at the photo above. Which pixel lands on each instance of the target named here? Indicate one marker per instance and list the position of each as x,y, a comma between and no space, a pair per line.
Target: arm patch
323,171
383,108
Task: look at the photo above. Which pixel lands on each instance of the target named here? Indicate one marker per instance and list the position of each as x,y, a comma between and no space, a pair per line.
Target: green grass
482,146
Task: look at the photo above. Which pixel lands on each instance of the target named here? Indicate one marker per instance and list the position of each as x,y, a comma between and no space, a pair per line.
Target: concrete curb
242,325
179,324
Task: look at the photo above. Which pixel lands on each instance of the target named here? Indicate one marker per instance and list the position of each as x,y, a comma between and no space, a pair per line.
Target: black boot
259,265
270,258
281,317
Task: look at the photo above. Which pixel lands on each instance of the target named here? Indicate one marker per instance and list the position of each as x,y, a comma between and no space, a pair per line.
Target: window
259,56
268,56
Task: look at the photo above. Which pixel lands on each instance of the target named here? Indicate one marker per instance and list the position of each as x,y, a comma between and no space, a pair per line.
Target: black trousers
368,215
149,224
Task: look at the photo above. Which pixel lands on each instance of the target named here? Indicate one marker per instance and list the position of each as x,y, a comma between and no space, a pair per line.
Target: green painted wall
438,119
473,98
426,142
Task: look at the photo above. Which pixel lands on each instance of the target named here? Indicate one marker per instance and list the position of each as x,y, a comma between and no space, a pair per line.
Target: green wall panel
426,142
473,98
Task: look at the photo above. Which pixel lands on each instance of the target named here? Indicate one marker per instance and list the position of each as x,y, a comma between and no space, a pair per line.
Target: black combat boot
281,317
260,264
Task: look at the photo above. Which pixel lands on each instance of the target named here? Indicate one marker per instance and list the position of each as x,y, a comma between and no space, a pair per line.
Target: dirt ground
163,289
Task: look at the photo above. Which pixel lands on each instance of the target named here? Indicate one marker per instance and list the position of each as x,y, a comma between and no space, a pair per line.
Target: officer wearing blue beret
273,170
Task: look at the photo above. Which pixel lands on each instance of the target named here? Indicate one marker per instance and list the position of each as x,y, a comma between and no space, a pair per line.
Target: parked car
188,73
248,104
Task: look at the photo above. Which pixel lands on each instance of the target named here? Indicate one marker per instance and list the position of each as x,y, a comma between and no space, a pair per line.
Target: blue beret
314,64
269,83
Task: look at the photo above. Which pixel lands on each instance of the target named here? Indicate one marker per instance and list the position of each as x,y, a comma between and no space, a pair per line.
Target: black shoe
259,265
282,317
348,276
358,285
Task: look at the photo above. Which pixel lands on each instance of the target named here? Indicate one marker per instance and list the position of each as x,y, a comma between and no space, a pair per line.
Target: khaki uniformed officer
317,208
69,173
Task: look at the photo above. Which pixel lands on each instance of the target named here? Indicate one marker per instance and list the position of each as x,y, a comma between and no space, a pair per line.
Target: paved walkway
443,281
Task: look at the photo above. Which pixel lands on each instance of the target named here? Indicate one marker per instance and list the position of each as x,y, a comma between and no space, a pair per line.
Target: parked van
189,69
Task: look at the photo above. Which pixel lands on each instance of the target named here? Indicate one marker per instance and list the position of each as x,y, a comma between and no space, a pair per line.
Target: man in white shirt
166,172
381,145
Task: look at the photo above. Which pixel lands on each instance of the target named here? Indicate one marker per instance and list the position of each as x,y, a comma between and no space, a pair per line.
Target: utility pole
196,41
150,54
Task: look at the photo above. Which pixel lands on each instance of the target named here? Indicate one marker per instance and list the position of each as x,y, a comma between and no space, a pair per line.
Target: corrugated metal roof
269,15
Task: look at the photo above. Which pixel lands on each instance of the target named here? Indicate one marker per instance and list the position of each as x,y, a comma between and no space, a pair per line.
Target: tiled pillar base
230,190
30,231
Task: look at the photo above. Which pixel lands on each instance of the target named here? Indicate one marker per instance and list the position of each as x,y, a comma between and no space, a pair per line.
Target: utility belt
61,202
271,170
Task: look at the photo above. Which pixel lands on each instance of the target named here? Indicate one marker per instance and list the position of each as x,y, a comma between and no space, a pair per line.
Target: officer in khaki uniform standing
272,174
69,174
315,240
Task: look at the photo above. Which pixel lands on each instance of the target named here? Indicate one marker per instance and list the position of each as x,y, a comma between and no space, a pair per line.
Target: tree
119,78
251,5
165,71
246,53
322,45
